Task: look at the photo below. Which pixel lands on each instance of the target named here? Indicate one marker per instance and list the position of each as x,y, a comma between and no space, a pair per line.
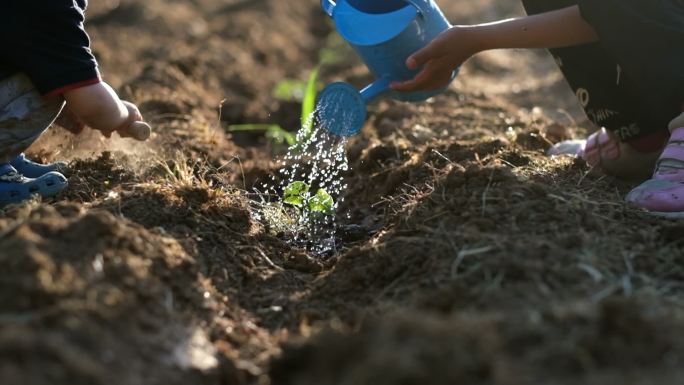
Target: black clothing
46,40
632,81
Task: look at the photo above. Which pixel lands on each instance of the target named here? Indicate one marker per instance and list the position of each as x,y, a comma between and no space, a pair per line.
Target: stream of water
319,161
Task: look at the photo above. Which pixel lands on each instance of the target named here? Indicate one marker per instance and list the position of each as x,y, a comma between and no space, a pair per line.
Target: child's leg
24,116
630,145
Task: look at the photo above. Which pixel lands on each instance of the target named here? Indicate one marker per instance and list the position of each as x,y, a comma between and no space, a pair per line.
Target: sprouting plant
309,104
272,131
286,90
322,202
297,194
297,211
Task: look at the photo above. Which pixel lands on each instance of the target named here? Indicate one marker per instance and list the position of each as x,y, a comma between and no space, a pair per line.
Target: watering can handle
328,6
421,5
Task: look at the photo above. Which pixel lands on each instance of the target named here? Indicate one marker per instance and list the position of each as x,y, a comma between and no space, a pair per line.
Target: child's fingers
592,149
421,57
137,117
413,84
436,83
434,76
140,131
134,112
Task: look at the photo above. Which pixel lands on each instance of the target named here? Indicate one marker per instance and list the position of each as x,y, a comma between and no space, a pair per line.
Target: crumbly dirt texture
465,256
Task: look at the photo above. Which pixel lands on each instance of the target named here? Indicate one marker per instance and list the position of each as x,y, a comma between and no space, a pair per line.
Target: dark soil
466,257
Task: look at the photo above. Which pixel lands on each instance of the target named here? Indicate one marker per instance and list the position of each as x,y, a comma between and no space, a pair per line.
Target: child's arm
100,108
561,28
50,45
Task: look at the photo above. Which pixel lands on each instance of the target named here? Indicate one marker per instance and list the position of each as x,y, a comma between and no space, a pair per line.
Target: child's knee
24,115
20,100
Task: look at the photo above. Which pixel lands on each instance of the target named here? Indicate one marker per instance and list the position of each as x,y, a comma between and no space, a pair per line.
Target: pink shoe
604,153
663,194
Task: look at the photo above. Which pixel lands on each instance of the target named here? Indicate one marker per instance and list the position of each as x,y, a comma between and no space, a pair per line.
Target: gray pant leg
24,115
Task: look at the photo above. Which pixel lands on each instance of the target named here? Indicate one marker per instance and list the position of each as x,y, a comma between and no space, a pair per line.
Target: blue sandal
31,169
15,188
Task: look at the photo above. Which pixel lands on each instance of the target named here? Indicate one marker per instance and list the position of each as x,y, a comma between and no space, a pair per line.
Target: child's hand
100,108
135,127
439,59
556,29
69,121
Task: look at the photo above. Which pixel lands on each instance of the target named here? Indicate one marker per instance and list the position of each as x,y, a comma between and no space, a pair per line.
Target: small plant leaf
294,200
296,188
273,131
251,127
290,90
310,93
309,102
322,202
280,136
295,193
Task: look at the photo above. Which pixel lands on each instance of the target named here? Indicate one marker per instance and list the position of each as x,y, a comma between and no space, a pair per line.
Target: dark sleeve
49,44
646,37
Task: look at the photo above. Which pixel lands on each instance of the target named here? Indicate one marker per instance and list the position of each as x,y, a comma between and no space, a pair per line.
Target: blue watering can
384,33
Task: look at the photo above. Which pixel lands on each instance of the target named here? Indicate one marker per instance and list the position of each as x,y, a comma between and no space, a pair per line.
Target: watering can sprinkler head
342,108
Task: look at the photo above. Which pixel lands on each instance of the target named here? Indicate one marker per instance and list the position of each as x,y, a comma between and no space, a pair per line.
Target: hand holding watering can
385,33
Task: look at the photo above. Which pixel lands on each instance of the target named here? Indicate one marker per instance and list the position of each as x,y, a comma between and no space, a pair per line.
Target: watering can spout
328,6
375,90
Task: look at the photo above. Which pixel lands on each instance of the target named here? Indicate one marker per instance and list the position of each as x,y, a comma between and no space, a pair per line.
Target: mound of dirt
558,345
91,299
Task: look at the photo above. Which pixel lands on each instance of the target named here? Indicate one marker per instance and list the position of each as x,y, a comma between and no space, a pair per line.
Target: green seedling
290,90
273,131
293,214
287,90
309,104
297,194
322,202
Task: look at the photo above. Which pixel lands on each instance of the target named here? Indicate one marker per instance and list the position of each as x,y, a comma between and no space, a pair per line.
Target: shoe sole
46,190
666,215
